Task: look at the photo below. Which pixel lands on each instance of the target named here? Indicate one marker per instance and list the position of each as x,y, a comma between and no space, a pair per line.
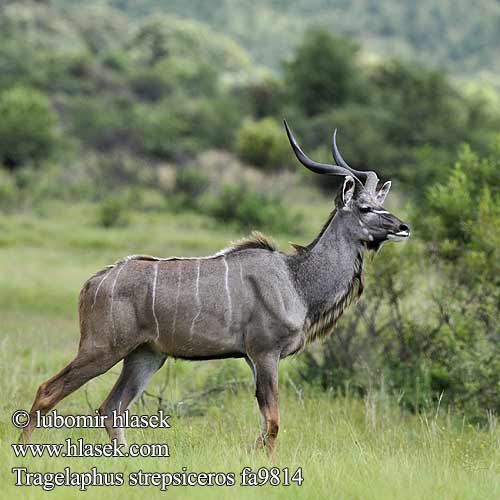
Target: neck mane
321,319
329,276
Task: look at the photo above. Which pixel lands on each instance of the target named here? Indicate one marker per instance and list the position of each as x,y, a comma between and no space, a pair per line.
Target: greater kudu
248,301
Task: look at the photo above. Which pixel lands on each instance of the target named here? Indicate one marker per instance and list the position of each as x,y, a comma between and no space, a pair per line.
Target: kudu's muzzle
398,230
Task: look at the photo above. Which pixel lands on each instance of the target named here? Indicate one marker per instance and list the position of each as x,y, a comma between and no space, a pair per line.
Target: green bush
188,77
263,143
68,74
113,212
324,72
161,132
263,97
214,121
102,123
189,185
27,127
425,107
179,126
19,64
8,190
150,84
252,210
465,208
115,60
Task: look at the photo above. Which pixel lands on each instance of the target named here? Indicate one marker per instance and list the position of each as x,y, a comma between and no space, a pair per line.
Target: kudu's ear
383,192
348,190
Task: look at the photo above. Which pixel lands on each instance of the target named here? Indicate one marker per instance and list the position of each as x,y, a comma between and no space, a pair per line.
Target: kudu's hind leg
83,368
138,368
266,375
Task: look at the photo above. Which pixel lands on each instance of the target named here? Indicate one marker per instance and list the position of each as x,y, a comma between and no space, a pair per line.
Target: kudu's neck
329,271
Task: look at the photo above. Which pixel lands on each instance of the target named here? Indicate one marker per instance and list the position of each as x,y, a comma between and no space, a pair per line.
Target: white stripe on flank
229,303
155,279
241,280
241,271
174,321
112,300
99,286
191,330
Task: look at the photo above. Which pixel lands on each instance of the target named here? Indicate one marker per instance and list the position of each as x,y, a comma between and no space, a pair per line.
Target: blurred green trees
27,127
448,35
260,143
112,212
324,73
172,87
250,209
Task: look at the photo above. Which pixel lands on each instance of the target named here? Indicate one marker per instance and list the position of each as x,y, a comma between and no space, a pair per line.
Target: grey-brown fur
248,301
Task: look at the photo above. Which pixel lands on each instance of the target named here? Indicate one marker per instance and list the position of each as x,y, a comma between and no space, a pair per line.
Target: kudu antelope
248,301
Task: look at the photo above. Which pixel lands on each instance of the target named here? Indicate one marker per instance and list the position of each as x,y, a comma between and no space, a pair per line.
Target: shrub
263,143
27,127
19,63
113,212
68,74
214,121
8,190
188,77
150,84
160,132
324,72
115,60
252,210
101,123
119,170
263,97
178,126
190,184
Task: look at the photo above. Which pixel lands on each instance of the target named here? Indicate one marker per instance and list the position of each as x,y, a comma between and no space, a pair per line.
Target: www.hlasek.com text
80,449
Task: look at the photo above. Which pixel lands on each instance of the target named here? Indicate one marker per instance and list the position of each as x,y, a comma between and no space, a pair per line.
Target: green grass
348,448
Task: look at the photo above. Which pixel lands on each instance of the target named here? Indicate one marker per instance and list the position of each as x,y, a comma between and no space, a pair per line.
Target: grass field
347,448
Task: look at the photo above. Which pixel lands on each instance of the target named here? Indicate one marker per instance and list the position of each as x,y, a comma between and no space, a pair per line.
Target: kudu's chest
322,318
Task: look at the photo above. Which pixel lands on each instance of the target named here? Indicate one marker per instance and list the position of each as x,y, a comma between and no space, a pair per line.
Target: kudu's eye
365,209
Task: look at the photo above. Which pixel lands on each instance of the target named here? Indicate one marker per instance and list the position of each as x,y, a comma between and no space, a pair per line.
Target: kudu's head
359,201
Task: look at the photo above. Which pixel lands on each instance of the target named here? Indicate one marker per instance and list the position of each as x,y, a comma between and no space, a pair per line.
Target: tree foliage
261,143
323,72
27,127
450,35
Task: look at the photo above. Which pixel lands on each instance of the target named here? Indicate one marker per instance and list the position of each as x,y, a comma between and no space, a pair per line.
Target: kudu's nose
404,227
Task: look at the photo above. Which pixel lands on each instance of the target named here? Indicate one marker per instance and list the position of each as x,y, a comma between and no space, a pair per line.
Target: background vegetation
456,36
155,127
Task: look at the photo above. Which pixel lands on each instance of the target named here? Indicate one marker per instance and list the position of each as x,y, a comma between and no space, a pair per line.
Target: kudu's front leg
266,384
